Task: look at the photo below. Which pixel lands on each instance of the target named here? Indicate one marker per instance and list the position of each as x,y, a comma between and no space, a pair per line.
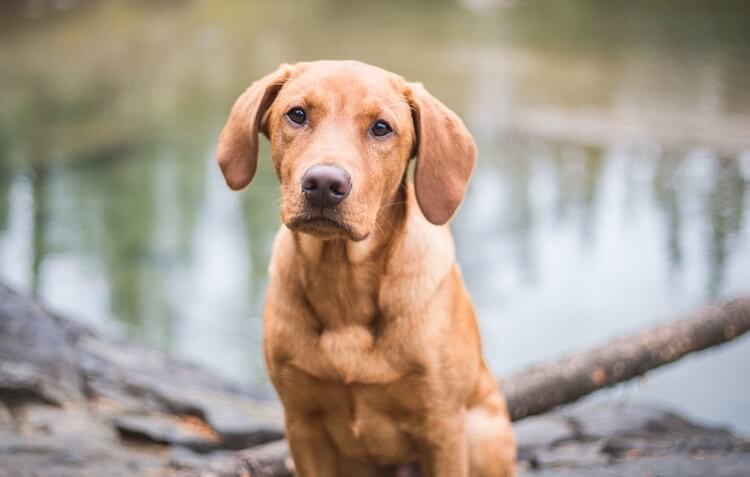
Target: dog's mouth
323,226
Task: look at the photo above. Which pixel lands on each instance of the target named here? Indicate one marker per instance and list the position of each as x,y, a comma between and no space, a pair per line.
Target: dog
370,337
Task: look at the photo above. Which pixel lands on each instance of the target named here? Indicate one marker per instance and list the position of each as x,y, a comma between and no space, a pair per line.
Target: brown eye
380,128
297,115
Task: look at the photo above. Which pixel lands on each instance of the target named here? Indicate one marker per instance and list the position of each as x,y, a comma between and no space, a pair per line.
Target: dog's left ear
237,152
445,152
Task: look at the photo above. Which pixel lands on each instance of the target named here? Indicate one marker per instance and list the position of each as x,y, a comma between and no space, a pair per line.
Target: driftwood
547,386
544,387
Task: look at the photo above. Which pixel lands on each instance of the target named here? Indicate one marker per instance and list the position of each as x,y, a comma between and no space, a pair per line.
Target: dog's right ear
237,152
446,154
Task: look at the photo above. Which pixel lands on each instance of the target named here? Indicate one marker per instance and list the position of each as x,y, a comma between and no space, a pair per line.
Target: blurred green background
612,190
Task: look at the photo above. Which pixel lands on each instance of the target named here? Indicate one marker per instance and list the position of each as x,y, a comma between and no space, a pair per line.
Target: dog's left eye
297,115
380,128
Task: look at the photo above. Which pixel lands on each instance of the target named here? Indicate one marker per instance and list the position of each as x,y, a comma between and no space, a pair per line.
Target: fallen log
544,387
541,388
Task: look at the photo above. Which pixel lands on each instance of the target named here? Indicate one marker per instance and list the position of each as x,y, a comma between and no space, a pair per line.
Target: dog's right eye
297,115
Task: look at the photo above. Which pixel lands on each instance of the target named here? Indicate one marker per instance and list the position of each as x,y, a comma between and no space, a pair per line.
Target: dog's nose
326,186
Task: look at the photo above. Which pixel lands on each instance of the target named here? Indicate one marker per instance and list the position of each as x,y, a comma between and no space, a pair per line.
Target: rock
269,460
6,418
76,403
240,424
188,432
605,419
78,423
629,447
54,458
543,431
633,440
735,465
70,442
73,403
571,454
219,463
149,382
37,355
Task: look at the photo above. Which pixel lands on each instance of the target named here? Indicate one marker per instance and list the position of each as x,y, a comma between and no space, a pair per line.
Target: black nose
326,186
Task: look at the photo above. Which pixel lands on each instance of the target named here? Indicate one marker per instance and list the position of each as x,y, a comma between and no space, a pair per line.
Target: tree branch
541,388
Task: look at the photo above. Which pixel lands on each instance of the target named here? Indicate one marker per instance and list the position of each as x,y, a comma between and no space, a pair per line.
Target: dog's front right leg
444,453
310,446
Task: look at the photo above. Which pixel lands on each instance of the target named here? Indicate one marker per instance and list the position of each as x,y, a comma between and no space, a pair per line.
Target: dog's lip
318,220
319,223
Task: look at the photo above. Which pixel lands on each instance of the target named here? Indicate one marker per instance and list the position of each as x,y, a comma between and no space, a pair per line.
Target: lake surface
612,191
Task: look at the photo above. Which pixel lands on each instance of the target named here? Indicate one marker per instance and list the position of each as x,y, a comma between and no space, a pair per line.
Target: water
611,194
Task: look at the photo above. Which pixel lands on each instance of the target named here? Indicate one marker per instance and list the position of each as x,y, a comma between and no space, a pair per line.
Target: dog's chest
367,423
341,298
371,408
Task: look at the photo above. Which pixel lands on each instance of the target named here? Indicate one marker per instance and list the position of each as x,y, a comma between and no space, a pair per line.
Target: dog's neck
342,278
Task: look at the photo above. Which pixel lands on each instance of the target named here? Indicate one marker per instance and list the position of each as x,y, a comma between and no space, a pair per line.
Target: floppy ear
237,152
446,155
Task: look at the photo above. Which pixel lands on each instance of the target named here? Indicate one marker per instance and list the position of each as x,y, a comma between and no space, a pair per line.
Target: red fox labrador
370,336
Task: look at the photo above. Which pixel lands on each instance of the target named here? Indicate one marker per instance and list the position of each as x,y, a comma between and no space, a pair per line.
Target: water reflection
727,214
611,191
692,199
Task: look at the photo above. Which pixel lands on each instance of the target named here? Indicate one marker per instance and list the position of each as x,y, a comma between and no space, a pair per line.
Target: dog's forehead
348,81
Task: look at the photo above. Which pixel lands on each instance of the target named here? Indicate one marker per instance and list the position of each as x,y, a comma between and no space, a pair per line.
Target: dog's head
342,134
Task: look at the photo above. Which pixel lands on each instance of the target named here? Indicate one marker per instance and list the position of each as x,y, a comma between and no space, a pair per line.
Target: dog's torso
366,349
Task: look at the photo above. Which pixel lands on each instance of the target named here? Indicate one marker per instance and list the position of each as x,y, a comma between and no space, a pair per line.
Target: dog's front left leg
311,447
445,452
